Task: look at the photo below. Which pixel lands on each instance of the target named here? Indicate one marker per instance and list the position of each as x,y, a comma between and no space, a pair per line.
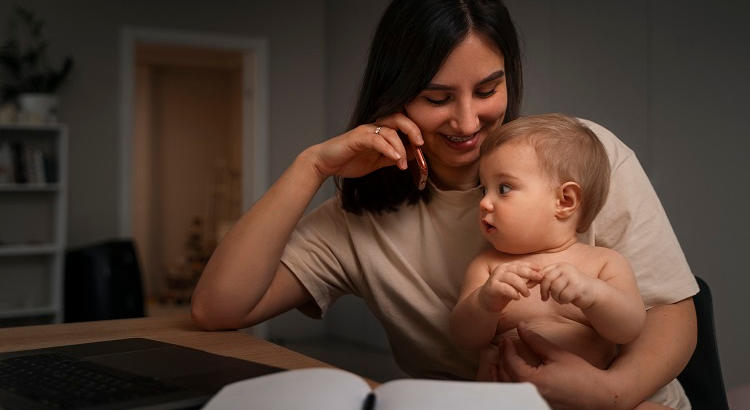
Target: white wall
668,77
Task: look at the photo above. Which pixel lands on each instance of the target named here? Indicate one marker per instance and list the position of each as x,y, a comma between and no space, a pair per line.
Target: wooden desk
176,328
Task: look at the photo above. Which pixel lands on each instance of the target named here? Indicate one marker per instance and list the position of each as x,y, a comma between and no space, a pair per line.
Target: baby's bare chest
587,261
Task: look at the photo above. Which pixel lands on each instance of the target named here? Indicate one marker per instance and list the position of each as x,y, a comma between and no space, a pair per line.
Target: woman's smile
463,142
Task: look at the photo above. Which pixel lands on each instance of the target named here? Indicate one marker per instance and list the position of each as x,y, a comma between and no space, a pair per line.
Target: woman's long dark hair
413,39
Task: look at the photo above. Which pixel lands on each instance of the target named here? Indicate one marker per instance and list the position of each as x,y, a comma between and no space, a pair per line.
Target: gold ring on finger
377,130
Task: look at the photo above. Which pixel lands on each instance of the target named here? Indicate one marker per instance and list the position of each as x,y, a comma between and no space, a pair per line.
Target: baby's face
517,210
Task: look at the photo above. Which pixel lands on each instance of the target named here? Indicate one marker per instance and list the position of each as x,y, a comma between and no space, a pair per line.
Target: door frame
254,116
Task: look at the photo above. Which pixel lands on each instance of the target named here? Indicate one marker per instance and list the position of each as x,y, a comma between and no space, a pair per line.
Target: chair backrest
701,378
103,281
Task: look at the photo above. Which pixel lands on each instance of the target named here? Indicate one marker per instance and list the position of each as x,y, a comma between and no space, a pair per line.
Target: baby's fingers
513,281
550,276
557,288
525,270
508,291
530,272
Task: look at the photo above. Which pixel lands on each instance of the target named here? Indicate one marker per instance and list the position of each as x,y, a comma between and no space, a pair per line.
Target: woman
443,73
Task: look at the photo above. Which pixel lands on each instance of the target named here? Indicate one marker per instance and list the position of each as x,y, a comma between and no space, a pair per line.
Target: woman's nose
465,120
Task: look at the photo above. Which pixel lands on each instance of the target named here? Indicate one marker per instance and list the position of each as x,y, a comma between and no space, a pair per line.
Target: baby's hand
508,281
566,284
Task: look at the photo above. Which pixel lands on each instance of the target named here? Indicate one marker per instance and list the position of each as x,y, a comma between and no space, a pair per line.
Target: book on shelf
6,163
334,389
25,163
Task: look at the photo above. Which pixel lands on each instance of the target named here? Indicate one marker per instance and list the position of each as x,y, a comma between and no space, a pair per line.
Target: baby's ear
568,200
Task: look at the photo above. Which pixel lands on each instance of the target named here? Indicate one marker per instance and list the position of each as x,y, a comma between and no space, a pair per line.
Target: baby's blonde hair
567,151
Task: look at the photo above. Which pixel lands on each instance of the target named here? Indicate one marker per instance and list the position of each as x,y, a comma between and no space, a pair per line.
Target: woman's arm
244,282
658,355
246,262
643,366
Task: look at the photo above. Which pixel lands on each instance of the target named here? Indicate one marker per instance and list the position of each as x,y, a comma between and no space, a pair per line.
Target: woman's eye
504,189
437,101
486,94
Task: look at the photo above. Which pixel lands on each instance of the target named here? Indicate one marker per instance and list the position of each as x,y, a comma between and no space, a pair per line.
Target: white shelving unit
33,214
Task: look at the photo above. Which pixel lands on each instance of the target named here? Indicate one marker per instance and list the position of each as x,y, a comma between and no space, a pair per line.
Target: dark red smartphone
418,167
416,164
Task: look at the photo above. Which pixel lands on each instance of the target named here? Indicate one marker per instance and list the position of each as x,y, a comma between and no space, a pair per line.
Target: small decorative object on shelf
27,77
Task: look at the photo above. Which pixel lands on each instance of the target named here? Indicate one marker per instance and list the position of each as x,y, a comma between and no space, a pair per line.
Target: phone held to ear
418,167
416,164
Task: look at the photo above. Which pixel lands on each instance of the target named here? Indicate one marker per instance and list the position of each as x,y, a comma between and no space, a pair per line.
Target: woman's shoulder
325,216
616,149
330,206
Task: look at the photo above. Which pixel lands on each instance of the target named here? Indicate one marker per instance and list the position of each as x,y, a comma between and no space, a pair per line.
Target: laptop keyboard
64,382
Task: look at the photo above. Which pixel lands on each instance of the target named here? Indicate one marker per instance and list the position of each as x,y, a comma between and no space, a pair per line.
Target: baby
545,178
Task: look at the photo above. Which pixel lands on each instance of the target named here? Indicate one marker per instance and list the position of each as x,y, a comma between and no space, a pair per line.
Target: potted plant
27,75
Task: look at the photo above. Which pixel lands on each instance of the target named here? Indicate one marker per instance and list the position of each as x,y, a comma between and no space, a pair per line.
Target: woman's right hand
564,379
361,150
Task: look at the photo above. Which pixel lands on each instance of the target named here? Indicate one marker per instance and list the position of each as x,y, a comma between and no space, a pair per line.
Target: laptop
132,373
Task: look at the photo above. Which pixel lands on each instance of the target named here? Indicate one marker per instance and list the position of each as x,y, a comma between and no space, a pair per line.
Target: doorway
186,160
193,129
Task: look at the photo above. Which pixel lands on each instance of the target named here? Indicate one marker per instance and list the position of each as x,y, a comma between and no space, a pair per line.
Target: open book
333,389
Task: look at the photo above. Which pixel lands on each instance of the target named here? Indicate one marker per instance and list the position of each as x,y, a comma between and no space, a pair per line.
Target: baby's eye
483,189
504,189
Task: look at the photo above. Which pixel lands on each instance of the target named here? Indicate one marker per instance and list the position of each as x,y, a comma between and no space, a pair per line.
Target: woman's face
465,100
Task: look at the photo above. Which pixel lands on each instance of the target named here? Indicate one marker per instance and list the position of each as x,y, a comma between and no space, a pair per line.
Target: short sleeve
319,254
634,223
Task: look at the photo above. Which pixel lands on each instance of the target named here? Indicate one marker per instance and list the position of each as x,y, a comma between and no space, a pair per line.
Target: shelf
33,223
27,312
31,127
29,187
26,250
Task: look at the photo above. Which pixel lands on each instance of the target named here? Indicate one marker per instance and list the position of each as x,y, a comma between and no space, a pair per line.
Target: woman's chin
458,160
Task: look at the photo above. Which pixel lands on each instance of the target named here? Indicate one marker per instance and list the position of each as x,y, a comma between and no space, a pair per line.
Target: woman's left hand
562,378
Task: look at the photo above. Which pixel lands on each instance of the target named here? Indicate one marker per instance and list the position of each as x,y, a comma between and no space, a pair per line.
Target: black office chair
702,378
103,281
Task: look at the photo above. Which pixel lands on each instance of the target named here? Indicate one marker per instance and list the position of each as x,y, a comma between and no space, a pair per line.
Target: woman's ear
568,200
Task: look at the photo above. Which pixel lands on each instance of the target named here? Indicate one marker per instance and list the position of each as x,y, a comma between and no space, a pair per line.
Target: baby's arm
483,296
611,302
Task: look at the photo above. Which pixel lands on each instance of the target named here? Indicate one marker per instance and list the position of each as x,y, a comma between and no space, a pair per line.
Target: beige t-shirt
408,265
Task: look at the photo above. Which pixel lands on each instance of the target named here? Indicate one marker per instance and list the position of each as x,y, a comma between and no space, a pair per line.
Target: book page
309,389
411,394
